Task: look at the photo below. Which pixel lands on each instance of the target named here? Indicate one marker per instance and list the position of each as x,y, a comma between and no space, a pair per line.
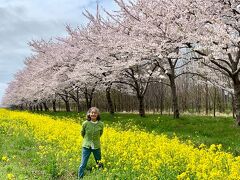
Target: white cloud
24,20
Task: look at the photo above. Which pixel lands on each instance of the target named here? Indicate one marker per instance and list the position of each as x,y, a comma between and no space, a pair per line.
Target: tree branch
214,68
222,67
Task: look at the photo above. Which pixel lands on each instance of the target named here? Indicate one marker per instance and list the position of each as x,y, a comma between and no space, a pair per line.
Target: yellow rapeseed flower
10,176
5,158
143,155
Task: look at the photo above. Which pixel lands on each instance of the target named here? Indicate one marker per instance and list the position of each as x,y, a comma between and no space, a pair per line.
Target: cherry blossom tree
215,36
156,30
119,59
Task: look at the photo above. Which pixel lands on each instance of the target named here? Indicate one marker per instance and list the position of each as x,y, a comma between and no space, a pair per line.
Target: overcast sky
24,20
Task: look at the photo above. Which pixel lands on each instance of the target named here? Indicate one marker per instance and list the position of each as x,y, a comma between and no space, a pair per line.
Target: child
91,132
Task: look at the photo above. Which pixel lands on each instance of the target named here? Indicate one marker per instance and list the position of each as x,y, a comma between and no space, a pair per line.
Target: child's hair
93,109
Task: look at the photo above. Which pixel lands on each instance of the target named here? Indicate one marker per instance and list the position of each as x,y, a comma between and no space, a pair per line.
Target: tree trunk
174,97
67,104
214,102
88,98
30,108
78,106
141,106
109,100
206,100
40,106
198,99
37,107
78,102
236,86
233,106
65,98
76,99
88,102
223,101
161,99
45,106
54,105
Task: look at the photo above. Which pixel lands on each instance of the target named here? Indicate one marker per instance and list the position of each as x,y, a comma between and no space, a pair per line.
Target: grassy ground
199,129
18,156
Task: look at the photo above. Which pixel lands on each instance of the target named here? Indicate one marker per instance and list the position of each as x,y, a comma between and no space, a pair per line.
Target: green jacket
91,133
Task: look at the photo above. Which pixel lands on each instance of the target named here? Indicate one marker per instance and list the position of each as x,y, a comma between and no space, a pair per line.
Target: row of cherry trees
145,41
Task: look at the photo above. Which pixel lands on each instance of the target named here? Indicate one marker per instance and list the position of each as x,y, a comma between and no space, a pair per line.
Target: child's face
93,115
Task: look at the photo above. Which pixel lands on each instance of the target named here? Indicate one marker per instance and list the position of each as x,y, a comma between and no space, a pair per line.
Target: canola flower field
54,150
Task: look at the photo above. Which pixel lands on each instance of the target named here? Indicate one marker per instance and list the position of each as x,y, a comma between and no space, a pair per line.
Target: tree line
194,99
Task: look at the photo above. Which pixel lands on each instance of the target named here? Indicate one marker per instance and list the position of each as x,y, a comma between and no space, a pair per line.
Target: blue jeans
86,152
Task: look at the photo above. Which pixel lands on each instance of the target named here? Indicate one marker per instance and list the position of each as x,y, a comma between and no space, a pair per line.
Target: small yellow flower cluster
10,176
5,158
132,153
